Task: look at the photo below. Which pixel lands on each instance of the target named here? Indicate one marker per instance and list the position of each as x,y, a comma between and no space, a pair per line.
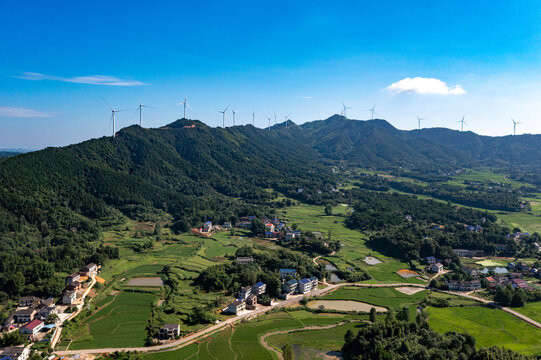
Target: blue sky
437,60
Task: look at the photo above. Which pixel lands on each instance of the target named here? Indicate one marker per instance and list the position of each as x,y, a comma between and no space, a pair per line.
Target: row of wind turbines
462,122
343,112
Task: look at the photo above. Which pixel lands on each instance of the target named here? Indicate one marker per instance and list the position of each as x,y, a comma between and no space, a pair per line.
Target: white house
305,286
169,331
259,288
288,272
69,297
16,352
207,227
236,306
90,269
32,328
436,268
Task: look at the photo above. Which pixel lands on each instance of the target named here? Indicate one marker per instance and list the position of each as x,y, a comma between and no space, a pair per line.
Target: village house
244,292
75,285
305,286
90,270
226,225
169,331
269,227
297,233
246,225
24,315
16,352
259,288
289,236
45,311
251,302
284,273
290,286
469,253
245,260
436,268
236,306
430,260
207,227
32,328
72,278
314,281
464,285
9,324
29,301
68,297
500,247
271,234
536,246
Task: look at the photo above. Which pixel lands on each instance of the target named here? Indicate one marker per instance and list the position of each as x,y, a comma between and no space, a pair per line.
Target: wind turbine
462,122
223,115
419,121
344,109
269,121
275,118
113,118
234,113
253,118
372,111
185,103
140,108
287,119
515,123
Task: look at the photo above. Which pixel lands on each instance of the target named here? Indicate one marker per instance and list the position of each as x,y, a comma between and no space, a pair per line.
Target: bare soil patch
344,305
406,273
370,260
146,281
409,290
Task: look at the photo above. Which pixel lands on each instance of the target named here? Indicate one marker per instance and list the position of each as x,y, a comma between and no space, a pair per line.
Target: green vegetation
387,297
120,322
490,327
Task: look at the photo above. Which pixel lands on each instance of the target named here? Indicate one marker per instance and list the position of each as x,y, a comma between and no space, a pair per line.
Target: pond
344,305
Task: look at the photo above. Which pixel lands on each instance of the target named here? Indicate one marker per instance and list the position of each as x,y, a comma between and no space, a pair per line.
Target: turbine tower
140,108
223,116
275,118
372,111
253,118
344,109
113,116
419,122
269,122
462,122
287,119
234,113
185,103
515,123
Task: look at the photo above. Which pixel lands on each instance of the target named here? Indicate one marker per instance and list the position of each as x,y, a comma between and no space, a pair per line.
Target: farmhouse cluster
36,317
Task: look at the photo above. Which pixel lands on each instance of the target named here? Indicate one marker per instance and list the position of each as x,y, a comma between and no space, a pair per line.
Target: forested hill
54,202
378,144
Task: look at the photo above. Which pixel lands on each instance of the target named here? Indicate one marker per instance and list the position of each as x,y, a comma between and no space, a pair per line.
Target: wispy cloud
17,112
421,85
90,79
307,97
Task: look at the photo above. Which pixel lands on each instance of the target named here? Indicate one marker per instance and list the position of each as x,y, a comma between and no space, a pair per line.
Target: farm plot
490,327
386,297
120,322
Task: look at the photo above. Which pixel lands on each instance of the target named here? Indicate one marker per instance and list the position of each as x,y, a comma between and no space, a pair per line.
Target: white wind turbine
140,108
345,109
223,115
113,115
373,111
253,118
287,119
185,103
234,114
419,121
462,122
515,123
269,122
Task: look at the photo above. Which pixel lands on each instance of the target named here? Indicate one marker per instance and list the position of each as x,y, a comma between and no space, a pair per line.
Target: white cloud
420,85
90,79
17,112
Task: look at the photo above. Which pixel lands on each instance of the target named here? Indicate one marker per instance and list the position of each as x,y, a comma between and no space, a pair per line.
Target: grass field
312,218
120,322
386,297
490,327
531,310
242,342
